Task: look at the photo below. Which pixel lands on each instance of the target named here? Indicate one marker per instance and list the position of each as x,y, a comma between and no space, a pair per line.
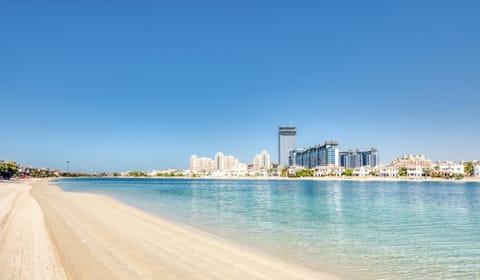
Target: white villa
476,170
329,170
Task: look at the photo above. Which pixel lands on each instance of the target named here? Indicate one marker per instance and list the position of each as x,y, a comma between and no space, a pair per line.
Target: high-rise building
286,143
262,161
221,162
319,155
352,159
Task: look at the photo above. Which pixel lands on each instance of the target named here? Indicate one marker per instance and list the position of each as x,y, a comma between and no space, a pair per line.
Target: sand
26,252
46,233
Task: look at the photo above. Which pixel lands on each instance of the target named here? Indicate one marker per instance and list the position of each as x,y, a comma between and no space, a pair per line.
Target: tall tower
286,143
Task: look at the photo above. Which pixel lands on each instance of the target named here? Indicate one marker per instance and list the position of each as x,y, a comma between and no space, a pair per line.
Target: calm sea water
365,230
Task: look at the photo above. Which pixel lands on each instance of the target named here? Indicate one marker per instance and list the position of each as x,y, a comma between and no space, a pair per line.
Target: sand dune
88,236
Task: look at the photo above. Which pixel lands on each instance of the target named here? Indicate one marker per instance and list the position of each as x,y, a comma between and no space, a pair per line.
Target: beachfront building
262,161
363,171
220,164
201,164
351,159
476,170
293,169
286,143
448,169
319,155
413,166
329,170
412,160
388,171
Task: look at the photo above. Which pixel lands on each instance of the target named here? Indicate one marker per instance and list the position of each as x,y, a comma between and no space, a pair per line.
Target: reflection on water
389,230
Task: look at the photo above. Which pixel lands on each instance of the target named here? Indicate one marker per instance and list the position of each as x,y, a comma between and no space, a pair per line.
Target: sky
141,85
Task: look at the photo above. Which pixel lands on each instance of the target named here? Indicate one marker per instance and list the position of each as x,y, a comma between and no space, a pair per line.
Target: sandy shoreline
46,233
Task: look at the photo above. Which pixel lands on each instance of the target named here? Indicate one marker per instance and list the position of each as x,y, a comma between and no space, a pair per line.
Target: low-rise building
363,171
448,168
415,171
329,170
476,170
388,171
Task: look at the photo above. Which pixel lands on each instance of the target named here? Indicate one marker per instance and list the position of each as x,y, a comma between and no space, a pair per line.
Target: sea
355,229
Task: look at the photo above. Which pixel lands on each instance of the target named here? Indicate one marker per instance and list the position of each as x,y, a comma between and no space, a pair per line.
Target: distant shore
47,233
326,178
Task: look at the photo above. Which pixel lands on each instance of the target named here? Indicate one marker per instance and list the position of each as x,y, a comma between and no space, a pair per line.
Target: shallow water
368,230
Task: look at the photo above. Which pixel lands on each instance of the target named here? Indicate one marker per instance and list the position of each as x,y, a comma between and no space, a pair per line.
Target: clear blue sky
119,85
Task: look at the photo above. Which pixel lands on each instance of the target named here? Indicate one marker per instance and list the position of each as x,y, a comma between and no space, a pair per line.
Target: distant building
329,170
412,160
319,155
388,171
202,164
476,170
353,159
363,171
286,143
448,168
262,161
221,164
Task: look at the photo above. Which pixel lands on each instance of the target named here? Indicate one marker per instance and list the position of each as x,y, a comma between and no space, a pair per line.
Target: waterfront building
448,168
319,155
388,171
352,159
412,160
201,164
363,171
262,161
329,170
476,170
286,143
220,164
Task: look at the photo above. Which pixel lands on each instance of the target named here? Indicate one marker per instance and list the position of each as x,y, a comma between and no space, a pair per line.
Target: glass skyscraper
319,155
357,158
286,143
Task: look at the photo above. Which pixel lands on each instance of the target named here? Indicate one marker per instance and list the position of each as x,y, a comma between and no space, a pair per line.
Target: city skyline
138,87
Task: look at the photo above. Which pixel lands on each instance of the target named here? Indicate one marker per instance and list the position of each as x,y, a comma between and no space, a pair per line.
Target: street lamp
68,166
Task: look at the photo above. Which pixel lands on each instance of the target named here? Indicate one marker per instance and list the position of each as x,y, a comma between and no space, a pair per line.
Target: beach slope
96,237
26,251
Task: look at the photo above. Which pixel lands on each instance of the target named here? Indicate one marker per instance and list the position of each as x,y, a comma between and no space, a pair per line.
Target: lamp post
68,166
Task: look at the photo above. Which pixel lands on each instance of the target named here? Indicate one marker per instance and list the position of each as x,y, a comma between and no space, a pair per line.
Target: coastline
327,178
90,236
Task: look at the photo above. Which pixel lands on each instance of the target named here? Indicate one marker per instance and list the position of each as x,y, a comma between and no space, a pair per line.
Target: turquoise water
362,230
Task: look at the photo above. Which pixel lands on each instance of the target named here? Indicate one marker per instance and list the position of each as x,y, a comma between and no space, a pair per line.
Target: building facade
476,170
262,161
353,159
286,143
220,163
319,155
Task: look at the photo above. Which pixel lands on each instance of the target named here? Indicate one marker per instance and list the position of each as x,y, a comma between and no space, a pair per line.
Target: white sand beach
46,233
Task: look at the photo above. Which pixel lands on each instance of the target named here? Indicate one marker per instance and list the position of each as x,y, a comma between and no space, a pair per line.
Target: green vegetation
468,169
348,172
373,173
284,172
402,172
304,173
137,174
169,174
8,170
427,172
458,176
